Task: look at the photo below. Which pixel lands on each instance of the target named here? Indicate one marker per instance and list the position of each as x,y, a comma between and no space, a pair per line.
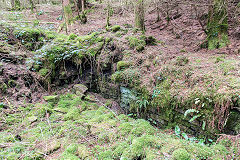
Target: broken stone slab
32,119
80,94
61,110
80,89
53,99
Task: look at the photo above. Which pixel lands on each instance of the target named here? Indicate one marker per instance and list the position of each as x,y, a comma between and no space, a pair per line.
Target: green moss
53,98
118,34
100,39
72,148
83,152
68,14
182,60
72,36
121,65
123,118
95,49
108,39
117,76
140,48
125,128
136,43
128,76
67,155
181,154
12,83
142,127
183,50
116,28
217,26
150,40
5,47
106,155
29,37
201,151
219,149
87,37
43,72
138,147
74,113
118,150
50,36
17,5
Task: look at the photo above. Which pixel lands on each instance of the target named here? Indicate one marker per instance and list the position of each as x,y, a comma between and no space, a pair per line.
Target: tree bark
13,4
139,15
32,5
217,26
67,11
82,4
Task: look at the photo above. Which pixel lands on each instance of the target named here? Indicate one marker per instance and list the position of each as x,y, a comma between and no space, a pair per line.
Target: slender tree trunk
83,5
16,5
108,15
158,13
76,4
217,26
67,12
32,5
139,15
13,4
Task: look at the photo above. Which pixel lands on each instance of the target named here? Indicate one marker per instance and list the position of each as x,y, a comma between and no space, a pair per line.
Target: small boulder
116,28
121,65
53,98
32,119
80,89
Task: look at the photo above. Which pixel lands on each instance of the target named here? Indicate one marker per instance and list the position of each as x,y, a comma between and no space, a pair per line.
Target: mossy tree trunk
16,5
139,15
12,4
108,15
68,16
217,24
32,5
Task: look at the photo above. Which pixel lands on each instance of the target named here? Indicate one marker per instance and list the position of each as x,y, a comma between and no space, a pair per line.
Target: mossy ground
77,129
160,73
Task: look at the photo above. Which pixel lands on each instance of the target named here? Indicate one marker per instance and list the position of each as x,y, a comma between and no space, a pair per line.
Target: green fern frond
190,111
194,117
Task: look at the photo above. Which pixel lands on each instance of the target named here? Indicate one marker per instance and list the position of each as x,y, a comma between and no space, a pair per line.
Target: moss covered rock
54,98
181,154
80,89
116,28
121,65
136,43
43,72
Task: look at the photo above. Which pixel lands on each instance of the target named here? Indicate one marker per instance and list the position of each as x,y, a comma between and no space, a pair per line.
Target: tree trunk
67,12
32,5
82,4
16,5
217,24
139,15
12,4
108,15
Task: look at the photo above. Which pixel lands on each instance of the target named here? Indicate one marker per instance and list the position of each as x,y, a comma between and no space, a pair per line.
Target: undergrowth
77,129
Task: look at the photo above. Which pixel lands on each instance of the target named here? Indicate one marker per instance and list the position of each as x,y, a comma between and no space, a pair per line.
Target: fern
194,117
190,111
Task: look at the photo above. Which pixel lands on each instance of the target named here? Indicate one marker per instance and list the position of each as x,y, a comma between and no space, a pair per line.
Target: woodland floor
181,38
55,133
